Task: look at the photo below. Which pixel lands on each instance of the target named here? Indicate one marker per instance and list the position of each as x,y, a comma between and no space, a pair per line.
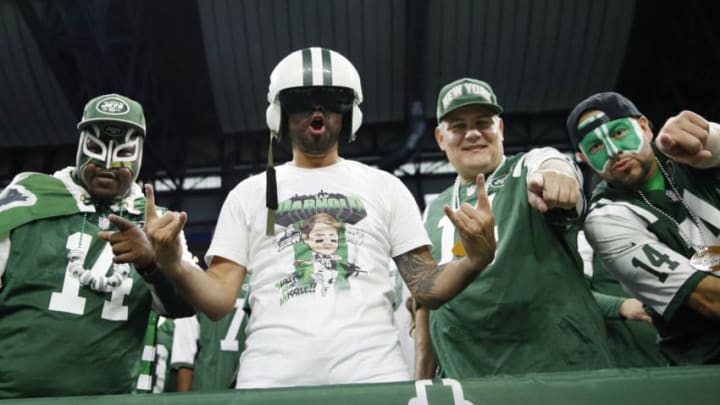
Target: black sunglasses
306,99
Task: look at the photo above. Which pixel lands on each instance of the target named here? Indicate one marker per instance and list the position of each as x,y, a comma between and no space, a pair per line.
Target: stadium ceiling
201,67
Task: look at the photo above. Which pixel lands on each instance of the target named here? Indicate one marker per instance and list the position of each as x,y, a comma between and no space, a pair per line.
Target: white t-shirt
321,288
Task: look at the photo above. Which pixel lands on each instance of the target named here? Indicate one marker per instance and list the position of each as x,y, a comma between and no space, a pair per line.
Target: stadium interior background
200,68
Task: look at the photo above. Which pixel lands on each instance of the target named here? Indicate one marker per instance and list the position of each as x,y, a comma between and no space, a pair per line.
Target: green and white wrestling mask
603,139
112,132
110,151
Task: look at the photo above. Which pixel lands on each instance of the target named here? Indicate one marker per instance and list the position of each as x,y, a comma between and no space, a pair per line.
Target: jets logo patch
113,105
498,182
16,196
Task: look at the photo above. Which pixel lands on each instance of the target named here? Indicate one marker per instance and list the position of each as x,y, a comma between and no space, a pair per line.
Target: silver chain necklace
706,258
457,185
98,282
693,217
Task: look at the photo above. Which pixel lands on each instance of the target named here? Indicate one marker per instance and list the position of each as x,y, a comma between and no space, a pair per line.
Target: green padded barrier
652,386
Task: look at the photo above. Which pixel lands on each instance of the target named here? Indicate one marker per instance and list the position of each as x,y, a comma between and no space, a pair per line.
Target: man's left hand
683,138
550,188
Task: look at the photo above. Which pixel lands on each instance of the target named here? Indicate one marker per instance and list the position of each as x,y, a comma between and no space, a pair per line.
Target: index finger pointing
122,224
483,203
150,212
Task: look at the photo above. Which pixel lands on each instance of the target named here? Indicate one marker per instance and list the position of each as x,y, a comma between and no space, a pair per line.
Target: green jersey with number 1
530,309
57,337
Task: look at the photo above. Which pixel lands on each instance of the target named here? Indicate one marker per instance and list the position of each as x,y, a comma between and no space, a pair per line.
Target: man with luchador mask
78,277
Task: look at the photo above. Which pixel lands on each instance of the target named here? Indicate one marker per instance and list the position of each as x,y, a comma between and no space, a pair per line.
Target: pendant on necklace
706,259
458,249
103,222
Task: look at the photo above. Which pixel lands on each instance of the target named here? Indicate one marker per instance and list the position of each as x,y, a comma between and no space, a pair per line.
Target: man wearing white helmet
331,221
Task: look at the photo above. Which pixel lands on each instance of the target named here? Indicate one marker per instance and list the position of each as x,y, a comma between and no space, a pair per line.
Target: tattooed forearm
420,272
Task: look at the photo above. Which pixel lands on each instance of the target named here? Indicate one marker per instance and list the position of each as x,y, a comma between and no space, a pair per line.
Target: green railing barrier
652,386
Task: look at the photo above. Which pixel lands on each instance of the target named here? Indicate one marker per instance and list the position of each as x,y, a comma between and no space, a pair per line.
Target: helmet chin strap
271,196
347,126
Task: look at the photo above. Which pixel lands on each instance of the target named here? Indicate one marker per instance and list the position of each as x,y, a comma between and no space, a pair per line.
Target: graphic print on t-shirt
319,229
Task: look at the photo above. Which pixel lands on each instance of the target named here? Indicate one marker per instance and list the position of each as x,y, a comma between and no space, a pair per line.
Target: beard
634,182
314,144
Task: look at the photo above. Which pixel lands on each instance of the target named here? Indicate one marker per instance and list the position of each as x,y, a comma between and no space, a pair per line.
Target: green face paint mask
608,139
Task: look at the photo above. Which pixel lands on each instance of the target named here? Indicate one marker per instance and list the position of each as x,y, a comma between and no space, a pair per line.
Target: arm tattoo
419,270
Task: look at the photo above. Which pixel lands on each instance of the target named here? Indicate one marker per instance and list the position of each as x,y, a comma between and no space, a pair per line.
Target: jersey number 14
69,299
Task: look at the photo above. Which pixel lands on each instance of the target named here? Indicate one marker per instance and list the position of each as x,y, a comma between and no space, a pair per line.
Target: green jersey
633,343
212,348
646,239
165,378
60,336
530,309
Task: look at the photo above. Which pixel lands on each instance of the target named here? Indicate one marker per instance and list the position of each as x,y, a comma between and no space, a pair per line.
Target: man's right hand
164,232
476,226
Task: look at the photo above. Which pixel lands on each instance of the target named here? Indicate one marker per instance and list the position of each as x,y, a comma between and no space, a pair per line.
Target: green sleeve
609,304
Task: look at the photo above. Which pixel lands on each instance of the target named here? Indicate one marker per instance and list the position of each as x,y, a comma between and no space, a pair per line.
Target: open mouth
317,124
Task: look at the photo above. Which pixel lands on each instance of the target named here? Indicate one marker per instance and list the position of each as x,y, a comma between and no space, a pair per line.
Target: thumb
150,212
536,183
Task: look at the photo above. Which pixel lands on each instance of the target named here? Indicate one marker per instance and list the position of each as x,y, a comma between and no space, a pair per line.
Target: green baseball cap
113,108
466,91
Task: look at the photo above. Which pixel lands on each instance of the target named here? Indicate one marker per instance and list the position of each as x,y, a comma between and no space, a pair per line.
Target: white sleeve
536,157
586,253
4,255
646,267
186,254
184,346
405,224
230,239
713,145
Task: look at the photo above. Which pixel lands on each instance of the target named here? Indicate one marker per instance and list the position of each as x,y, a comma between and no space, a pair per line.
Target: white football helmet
313,67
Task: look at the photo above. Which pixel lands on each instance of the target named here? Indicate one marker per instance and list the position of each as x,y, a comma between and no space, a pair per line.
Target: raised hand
163,231
476,226
129,243
683,138
549,188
